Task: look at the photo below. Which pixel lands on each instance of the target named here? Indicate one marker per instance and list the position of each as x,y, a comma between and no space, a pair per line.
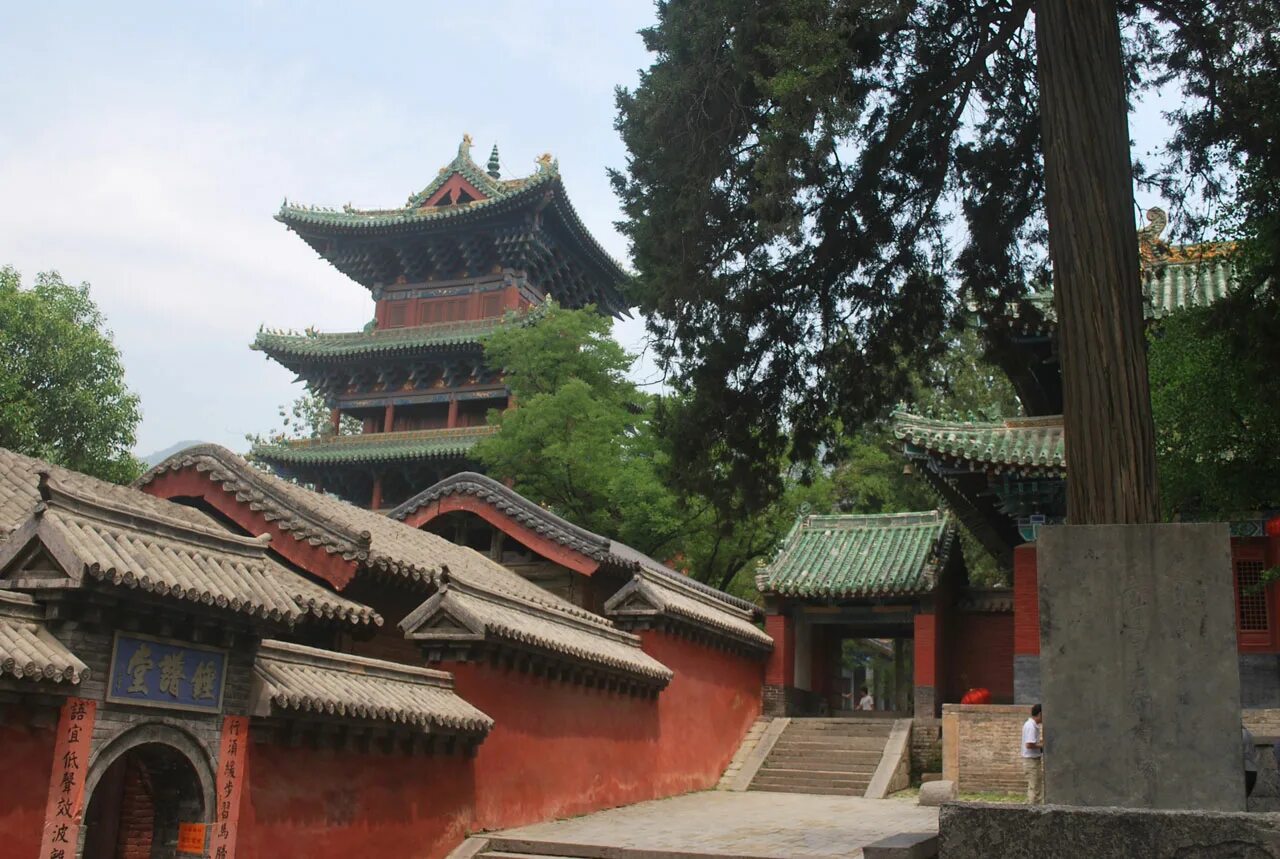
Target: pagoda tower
469,253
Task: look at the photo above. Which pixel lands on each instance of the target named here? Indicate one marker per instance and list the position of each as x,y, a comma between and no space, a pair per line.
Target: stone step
852,755
833,772
849,727
860,745
812,791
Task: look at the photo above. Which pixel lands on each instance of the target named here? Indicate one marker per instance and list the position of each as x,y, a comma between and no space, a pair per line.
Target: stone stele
1140,676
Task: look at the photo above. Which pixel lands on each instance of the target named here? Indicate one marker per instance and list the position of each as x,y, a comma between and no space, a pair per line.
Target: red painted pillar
781,669
375,502
389,421
453,413
1026,625
335,420
926,665
1026,602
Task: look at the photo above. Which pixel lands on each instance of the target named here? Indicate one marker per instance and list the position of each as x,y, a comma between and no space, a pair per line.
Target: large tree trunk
1093,243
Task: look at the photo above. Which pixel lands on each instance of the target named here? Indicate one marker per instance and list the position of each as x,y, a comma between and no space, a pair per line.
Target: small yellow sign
191,838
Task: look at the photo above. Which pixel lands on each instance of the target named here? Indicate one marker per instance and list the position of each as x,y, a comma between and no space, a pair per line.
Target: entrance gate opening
137,805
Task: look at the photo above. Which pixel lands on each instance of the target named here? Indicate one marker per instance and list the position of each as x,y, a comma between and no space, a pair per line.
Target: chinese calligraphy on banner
160,673
235,737
65,810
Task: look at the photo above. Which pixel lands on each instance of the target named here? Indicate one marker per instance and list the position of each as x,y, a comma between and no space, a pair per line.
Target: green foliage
1217,425
309,416
587,443
62,391
792,165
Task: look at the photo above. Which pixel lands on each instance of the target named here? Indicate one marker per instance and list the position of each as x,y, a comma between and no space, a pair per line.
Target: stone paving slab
756,825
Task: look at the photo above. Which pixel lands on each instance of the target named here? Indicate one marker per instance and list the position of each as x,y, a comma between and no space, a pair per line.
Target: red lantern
1273,526
977,696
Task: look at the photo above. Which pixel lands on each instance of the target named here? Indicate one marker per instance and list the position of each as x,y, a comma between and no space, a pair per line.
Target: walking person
1033,756
866,702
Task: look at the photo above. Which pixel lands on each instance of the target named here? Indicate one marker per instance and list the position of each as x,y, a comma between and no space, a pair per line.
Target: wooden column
453,413
375,502
389,421
335,420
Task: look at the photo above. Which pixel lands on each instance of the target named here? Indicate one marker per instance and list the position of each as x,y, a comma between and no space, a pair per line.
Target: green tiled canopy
372,448
387,341
886,555
1025,445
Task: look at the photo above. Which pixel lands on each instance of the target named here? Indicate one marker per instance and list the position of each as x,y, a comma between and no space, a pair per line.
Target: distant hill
161,455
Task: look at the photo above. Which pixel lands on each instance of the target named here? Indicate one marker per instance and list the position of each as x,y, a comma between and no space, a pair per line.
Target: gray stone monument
1139,672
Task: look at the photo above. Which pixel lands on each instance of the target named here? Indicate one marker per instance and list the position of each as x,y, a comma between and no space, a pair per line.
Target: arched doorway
138,801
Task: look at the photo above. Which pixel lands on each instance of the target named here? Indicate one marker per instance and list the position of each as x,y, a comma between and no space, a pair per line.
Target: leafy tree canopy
799,168
62,391
584,441
309,416
1217,425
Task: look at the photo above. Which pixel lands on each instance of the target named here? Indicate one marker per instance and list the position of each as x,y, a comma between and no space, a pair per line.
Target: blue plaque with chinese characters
156,672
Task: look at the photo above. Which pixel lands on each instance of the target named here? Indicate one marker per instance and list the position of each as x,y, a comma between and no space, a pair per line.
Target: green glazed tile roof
496,191
374,447
1014,444
1174,277
388,341
826,557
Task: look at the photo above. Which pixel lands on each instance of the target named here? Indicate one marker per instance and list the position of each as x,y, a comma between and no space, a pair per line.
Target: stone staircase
825,756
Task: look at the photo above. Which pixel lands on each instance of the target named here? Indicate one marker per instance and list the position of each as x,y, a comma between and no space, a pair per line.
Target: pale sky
145,147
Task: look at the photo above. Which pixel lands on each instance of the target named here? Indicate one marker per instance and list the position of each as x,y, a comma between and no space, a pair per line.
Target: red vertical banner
65,811
226,806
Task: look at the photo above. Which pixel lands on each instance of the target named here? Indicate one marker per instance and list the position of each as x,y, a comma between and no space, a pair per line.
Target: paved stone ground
749,824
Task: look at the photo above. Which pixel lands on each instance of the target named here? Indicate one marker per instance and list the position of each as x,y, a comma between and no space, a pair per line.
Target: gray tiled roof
462,613
28,651
377,542
649,594
547,524
294,679
132,539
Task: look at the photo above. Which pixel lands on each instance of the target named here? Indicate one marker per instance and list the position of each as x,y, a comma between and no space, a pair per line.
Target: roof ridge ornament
495,166
464,148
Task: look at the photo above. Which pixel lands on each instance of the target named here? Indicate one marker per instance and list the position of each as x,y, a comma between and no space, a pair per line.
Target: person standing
1033,756
866,702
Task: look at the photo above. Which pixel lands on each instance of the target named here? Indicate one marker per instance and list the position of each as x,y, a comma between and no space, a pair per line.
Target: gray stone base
1260,680
1026,679
982,830
790,701
926,702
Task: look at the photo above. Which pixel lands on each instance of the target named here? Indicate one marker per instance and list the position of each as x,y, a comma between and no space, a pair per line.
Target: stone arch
162,732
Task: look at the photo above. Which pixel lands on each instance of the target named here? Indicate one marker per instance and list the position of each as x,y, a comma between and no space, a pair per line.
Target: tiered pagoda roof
845,557
469,218
382,448
300,352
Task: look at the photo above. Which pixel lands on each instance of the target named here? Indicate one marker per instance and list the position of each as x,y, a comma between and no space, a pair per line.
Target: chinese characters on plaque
160,673
65,809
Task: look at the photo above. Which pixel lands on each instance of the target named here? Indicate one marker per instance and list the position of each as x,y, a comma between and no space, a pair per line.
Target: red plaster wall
981,656
325,803
1026,602
24,790
560,749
